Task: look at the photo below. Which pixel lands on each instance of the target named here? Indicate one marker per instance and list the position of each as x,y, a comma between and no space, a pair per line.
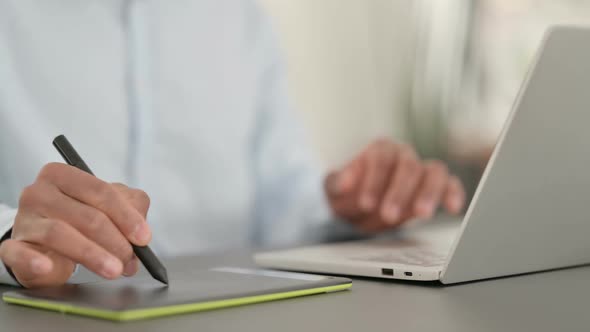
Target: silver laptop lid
531,210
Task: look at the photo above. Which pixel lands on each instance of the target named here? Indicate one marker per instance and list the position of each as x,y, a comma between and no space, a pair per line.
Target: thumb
33,267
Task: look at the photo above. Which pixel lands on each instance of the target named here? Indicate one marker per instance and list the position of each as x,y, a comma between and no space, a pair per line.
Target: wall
346,67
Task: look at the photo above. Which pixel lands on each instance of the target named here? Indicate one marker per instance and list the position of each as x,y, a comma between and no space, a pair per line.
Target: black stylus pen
145,254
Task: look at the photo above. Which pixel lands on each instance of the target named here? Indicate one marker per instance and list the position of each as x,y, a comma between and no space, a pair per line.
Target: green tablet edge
129,315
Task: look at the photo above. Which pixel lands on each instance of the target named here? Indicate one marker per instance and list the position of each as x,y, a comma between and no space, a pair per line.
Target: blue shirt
184,99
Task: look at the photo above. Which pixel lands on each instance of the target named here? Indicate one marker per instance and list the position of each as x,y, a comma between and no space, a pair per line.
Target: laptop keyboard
420,257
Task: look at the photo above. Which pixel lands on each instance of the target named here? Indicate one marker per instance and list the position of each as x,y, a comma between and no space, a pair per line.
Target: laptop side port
409,274
387,272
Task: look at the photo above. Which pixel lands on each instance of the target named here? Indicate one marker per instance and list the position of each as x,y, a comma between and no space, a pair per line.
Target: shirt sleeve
7,216
291,207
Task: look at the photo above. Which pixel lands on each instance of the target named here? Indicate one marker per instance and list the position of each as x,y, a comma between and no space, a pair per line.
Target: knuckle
50,170
128,221
39,196
51,232
142,197
119,185
96,222
104,194
29,196
19,226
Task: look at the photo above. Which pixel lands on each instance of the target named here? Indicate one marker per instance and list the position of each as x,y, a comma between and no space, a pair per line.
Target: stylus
145,254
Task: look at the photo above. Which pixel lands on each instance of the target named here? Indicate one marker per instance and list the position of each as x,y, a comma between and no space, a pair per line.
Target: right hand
68,217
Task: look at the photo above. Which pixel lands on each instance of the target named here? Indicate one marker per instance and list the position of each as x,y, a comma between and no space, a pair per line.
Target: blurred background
441,75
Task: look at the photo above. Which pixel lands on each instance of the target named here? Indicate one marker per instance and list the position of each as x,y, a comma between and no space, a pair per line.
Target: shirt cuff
6,221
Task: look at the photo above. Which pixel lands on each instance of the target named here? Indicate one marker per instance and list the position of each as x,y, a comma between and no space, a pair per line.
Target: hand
67,217
387,184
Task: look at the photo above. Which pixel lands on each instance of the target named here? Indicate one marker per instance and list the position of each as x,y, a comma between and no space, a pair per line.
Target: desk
550,301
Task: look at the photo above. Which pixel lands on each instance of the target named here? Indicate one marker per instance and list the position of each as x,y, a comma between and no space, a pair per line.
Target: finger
372,224
131,267
343,201
375,223
343,181
434,183
403,183
101,195
333,183
378,163
454,197
348,208
139,199
348,205
141,202
26,261
61,268
64,239
91,222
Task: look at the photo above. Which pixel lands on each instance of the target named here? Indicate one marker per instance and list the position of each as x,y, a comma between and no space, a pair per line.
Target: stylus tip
161,276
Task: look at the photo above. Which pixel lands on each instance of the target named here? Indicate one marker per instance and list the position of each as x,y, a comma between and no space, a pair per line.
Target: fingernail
367,203
425,209
130,268
40,266
111,268
142,233
390,214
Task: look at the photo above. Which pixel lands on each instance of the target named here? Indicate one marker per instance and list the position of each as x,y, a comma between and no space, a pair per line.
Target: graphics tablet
189,291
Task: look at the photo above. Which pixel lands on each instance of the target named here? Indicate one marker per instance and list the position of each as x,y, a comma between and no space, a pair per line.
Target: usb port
409,274
387,272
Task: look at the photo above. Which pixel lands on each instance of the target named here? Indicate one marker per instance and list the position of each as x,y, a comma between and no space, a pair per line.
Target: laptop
531,210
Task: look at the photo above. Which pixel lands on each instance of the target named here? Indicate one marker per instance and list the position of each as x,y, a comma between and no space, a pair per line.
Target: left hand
387,185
